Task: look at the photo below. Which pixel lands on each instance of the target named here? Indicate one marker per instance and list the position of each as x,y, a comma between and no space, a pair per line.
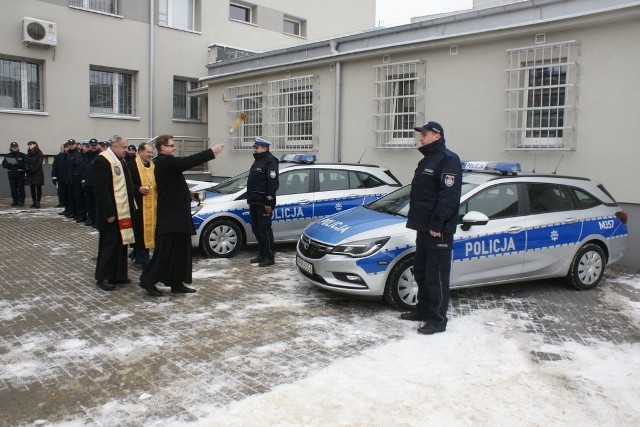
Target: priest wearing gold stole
145,192
113,191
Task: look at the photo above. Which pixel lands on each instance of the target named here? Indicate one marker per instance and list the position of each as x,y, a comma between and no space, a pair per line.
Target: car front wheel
587,267
221,238
401,291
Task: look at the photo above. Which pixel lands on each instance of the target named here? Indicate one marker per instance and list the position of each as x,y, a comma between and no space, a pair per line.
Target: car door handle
570,220
515,229
303,202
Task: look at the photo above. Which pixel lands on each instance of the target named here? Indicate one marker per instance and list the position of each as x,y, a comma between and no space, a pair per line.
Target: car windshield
231,185
397,203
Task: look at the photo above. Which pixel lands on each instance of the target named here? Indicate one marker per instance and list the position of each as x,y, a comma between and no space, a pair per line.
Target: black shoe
430,328
69,215
411,315
105,286
59,206
89,223
81,218
181,289
255,260
63,213
20,203
33,205
151,290
37,205
266,262
14,204
120,282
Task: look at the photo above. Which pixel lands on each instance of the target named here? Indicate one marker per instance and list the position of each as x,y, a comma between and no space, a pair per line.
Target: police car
511,227
308,191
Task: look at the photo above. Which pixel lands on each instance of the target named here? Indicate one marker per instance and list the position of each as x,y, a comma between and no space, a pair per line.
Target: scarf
149,202
121,197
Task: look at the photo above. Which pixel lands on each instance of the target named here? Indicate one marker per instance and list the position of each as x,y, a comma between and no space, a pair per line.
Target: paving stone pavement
67,347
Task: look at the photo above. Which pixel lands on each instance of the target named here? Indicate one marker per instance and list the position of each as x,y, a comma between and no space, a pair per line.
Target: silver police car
512,227
308,191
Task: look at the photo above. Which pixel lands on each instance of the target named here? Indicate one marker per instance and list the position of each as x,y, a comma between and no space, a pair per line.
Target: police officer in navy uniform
15,163
262,185
433,213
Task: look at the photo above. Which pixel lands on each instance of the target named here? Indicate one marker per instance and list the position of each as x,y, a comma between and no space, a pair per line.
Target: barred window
111,92
400,89
542,96
244,100
20,85
186,106
292,108
107,6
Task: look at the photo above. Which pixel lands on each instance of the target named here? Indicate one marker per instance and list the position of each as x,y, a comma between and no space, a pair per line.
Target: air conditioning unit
39,32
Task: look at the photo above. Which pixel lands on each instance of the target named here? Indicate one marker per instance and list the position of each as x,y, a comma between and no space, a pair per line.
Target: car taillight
622,216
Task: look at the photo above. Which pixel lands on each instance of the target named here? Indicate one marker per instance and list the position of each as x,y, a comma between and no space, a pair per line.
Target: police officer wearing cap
89,197
262,184
433,212
15,163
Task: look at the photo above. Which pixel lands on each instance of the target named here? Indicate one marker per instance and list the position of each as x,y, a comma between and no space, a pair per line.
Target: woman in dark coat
35,175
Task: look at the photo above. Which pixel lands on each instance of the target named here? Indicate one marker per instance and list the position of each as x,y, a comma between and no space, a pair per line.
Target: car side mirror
473,218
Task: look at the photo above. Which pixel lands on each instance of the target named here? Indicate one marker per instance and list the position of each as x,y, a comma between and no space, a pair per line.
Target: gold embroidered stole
149,202
125,224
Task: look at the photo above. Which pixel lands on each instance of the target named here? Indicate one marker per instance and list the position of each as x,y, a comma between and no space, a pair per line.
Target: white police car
512,227
308,191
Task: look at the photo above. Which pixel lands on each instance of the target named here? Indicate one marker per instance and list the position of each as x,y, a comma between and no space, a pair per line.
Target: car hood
361,222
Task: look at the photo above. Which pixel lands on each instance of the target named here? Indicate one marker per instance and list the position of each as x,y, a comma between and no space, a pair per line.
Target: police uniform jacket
174,199
263,183
74,165
89,158
57,167
435,190
17,169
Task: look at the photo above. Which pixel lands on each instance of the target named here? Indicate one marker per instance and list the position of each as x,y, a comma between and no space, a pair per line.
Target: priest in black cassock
171,260
114,207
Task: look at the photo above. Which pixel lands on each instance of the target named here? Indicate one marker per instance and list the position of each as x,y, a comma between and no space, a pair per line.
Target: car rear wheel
401,291
221,238
587,267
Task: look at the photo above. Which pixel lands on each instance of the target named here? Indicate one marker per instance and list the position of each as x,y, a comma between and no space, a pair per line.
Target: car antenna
365,151
554,171
534,163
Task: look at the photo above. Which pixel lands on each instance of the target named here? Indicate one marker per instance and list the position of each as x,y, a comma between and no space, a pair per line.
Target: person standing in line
35,174
130,154
262,184
57,171
113,191
171,260
72,152
87,182
15,163
146,195
433,212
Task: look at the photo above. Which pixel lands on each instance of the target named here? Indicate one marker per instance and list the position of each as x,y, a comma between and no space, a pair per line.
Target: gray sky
397,12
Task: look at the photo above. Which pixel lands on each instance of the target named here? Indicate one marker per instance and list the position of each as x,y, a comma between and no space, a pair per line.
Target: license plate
304,265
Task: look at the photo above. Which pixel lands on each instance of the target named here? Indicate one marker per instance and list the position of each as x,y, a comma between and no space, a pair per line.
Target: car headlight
195,209
360,248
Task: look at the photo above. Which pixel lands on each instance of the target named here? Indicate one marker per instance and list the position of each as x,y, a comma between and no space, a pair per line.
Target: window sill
243,22
195,122
180,29
113,15
25,112
112,116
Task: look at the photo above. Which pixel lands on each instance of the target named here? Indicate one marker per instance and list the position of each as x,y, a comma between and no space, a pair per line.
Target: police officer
89,198
262,185
15,163
433,213
57,171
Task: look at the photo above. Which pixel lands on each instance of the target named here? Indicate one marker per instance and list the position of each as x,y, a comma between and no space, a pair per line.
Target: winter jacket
263,182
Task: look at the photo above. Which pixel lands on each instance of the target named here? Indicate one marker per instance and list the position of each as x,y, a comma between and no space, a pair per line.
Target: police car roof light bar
298,158
504,168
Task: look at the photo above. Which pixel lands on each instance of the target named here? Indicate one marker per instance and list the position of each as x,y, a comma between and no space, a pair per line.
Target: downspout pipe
152,13
338,104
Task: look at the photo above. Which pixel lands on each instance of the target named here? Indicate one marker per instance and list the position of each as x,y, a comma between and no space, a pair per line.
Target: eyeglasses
169,145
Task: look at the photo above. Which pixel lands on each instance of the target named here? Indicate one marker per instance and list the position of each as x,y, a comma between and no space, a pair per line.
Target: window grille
111,92
542,97
400,90
106,6
247,100
185,106
292,113
20,85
